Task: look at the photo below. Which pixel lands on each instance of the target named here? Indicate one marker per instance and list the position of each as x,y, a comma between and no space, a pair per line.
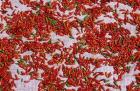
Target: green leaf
106,81
38,79
86,78
1,51
138,85
132,57
76,4
75,59
22,61
115,83
121,40
52,21
49,41
1,64
7,27
31,73
68,59
49,4
86,16
1,88
21,79
67,84
65,7
83,68
71,37
128,67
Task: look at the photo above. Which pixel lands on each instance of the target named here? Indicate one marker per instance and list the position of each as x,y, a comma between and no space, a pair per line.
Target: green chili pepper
18,71
49,41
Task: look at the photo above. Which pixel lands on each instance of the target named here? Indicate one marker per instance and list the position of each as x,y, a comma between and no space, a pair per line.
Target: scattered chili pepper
32,30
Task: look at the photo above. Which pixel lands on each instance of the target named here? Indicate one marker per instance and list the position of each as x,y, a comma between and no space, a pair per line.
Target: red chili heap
70,45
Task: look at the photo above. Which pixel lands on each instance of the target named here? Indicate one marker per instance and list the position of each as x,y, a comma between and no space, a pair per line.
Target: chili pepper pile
80,45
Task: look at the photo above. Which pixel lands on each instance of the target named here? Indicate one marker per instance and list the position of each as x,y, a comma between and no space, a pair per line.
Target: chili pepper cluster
71,45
